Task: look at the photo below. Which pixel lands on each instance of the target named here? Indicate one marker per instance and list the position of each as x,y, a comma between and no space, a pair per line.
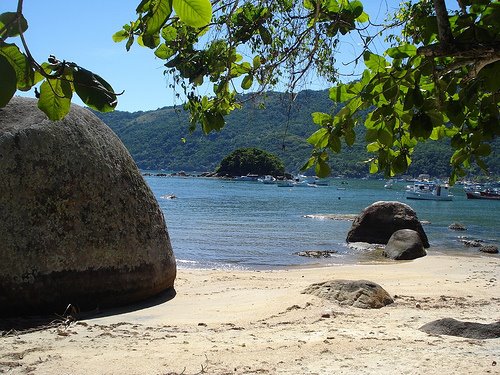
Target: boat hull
428,197
482,195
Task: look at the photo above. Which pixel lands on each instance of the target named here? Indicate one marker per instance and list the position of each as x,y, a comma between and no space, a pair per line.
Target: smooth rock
379,221
471,330
457,227
489,249
404,244
78,224
357,293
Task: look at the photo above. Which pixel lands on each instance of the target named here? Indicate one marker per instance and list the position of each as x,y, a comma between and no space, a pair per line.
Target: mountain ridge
160,139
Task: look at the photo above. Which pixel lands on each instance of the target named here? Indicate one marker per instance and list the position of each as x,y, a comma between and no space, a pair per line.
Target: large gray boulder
379,221
404,244
78,224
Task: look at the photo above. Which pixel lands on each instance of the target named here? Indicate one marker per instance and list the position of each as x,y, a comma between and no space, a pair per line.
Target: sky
80,31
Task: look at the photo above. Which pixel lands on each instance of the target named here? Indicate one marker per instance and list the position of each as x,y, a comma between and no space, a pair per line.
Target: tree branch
445,35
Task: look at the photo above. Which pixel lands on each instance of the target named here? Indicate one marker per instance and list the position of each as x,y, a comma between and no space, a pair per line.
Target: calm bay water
233,224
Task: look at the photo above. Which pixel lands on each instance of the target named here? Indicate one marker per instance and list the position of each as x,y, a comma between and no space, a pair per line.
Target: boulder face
379,221
404,244
78,224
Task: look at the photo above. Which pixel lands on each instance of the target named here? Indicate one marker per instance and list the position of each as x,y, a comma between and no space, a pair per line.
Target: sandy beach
259,322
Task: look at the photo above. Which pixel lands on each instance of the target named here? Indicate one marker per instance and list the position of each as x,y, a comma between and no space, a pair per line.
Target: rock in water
78,224
404,244
358,293
379,221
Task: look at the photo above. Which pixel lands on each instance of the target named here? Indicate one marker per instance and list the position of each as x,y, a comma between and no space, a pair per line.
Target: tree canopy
244,161
439,77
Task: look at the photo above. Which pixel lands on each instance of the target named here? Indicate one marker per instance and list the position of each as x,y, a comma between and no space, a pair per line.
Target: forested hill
161,140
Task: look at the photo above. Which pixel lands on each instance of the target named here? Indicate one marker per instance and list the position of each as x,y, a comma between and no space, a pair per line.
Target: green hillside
161,140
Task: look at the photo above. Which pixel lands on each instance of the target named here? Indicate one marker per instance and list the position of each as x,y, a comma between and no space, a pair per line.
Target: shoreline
259,322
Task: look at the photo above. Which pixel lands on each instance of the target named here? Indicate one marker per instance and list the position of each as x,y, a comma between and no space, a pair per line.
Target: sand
259,322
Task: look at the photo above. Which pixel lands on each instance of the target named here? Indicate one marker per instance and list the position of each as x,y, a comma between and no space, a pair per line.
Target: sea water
215,223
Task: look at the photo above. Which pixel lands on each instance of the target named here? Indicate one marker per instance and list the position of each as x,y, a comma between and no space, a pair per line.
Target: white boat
304,184
389,184
267,179
248,177
428,190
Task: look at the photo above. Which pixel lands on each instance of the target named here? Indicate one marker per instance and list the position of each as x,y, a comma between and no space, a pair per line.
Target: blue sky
80,31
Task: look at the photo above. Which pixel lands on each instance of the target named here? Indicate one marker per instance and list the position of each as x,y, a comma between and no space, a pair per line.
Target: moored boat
428,190
389,184
267,179
284,183
480,192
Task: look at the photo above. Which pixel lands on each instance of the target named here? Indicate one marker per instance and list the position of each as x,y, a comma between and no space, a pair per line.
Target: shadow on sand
26,324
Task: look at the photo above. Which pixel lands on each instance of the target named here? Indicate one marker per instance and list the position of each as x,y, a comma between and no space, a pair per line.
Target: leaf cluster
424,87
58,80
243,45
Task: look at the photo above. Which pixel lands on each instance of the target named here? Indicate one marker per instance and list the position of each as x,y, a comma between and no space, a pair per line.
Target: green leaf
94,91
10,22
55,98
373,167
247,82
385,137
375,62
356,8
143,6
8,81
265,35
363,17
339,94
350,137
163,52
308,164
400,52
20,63
322,169
319,138
373,147
256,62
321,118
214,121
390,90
483,150
334,143
194,13
157,16
120,36
169,33
399,165
421,126
150,40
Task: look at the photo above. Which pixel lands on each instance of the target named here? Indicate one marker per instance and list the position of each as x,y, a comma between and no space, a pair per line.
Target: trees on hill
244,161
439,77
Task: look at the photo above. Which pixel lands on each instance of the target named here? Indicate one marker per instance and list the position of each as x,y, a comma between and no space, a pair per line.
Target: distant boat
267,179
428,190
284,183
248,177
389,184
481,192
304,184
305,181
